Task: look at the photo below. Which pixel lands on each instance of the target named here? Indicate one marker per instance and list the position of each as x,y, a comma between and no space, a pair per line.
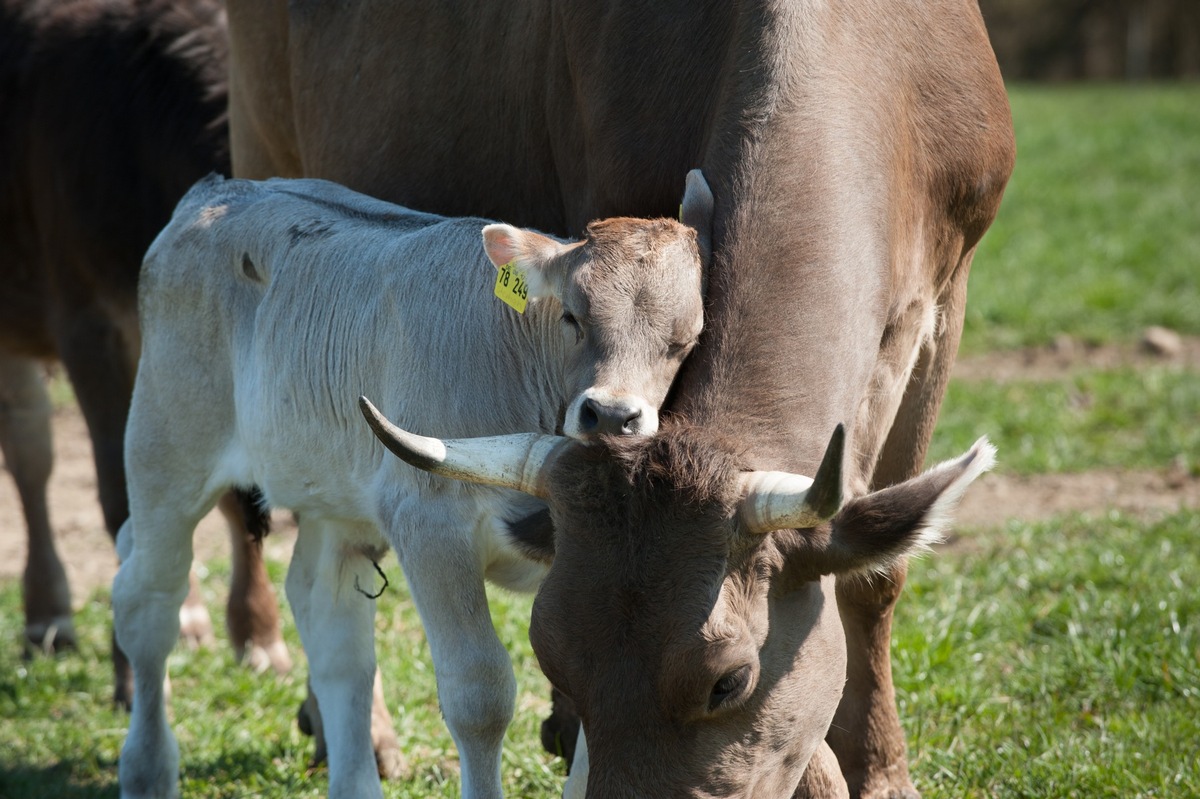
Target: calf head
688,611
629,301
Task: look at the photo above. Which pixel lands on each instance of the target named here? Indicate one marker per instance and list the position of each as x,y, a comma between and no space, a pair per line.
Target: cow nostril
618,418
589,419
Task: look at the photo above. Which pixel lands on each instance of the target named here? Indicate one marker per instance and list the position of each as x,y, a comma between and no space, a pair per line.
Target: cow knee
477,701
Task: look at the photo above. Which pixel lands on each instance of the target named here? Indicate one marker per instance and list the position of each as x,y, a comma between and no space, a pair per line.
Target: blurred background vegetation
1095,39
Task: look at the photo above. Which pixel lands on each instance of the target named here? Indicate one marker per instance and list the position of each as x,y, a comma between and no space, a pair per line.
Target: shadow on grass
67,779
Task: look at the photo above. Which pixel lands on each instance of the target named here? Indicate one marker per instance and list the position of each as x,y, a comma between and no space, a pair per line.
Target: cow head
688,611
630,304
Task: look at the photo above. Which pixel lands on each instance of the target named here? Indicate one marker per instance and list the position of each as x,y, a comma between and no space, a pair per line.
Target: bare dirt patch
91,562
1068,355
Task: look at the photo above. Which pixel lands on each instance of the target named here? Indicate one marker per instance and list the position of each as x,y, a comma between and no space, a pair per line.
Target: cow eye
570,321
729,687
677,350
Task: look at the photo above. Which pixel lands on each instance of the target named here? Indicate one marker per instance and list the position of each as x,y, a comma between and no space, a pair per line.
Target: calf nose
612,418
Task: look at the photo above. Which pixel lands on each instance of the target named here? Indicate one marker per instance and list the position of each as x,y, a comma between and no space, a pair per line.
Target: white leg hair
476,687
576,787
336,623
155,544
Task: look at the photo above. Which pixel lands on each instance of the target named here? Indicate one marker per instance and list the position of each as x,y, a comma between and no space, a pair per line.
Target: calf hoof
259,657
50,638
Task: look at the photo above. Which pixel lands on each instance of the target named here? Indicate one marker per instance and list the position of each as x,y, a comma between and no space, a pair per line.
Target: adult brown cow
857,149
111,110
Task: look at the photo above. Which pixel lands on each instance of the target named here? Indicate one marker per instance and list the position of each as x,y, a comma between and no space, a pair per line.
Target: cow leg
866,735
561,728
389,760
823,778
25,442
327,587
156,555
576,786
101,361
476,686
252,612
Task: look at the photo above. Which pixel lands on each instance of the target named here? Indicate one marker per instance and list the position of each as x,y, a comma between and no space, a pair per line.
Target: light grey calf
266,310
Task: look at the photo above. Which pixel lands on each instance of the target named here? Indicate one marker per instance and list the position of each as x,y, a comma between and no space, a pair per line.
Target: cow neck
797,287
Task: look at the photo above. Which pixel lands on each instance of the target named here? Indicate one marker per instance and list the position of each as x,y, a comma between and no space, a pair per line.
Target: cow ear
529,251
873,532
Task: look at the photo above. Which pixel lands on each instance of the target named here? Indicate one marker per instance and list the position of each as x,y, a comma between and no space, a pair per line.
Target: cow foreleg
328,587
25,442
866,734
252,613
476,686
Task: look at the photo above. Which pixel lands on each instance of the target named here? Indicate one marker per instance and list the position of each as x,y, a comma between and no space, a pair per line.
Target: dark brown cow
111,110
857,149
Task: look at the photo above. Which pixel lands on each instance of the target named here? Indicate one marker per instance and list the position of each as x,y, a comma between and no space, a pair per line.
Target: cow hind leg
252,612
327,587
25,442
148,593
101,360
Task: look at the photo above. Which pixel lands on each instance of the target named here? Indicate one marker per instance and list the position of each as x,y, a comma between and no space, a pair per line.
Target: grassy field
1056,659
1098,235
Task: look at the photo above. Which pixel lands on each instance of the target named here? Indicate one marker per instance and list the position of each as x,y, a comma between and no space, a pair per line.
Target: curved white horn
781,500
513,461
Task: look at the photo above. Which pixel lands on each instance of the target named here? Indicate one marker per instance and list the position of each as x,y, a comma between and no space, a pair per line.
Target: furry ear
530,251
871,533
697,211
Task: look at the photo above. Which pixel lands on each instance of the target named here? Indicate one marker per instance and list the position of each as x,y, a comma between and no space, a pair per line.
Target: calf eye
570,321
729,687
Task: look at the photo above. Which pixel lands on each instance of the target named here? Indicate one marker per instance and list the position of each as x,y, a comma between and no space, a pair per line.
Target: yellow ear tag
511,287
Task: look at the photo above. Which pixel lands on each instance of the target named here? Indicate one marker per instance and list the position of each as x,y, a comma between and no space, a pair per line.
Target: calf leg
148,591
389,760
476,686
252,612
25,442
336,624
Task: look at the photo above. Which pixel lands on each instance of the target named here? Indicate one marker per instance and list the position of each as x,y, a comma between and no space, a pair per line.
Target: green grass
237,732
1125,417
1057,660
1098,235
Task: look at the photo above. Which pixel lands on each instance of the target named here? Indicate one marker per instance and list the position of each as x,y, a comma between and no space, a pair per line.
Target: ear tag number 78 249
511,287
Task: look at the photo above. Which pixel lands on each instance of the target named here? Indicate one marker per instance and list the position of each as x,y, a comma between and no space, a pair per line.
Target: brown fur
111,111
857,151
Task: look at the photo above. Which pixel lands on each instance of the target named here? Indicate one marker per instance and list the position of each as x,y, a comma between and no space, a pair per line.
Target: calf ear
696,212
529,251
873,532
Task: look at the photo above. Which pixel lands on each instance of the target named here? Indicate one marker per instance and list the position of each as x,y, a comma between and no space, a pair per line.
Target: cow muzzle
598,412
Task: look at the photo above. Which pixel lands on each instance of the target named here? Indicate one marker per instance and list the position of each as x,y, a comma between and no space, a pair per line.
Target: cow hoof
391,761
50,638
261,657
195,625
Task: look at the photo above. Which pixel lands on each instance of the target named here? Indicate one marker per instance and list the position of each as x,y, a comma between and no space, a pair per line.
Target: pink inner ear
500,244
